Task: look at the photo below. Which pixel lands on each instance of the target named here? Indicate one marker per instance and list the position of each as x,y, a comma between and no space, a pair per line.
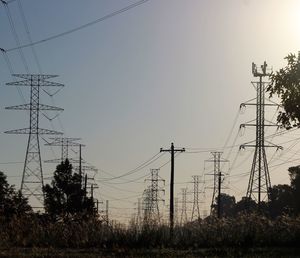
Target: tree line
65,197
283,199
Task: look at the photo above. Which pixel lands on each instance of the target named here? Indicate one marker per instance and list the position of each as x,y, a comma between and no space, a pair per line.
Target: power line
120,199
232,128
119,189
137,169
12,162
16,37
108,16
136,180
166,163
11,70
25,23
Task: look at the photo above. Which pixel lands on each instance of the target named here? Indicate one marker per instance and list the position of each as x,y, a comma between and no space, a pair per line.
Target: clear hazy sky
168,70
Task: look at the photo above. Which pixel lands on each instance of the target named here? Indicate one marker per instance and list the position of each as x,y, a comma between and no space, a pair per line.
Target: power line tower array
153,197
259,181
196,194
32,178
217,174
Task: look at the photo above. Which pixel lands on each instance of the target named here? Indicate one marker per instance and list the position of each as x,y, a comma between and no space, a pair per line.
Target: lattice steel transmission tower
32,178
259,181
183,218
65,143
138,218
196,193
217,174
147,205
176,211
154,196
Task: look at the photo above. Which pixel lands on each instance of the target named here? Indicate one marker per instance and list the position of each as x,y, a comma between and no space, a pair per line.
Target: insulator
242,130
242,108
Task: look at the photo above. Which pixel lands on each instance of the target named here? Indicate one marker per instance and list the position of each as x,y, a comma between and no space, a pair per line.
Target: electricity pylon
259,181
147,205
138,218
154,197
217,181
65,143
196,192
176,214
32,178
183,217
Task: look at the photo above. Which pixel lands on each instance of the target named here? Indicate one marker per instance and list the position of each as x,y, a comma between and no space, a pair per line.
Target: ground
93,253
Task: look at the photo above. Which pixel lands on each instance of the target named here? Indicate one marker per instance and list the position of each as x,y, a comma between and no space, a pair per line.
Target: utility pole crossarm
254,104
245,125
40,107
28,131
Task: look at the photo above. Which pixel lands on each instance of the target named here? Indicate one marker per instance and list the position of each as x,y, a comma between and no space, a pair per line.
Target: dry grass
245,231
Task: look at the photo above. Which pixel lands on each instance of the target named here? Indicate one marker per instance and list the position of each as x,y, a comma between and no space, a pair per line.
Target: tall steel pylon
153,196
196,192
259,181
32,178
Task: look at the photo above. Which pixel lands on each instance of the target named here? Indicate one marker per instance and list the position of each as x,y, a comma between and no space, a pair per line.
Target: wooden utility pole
172,150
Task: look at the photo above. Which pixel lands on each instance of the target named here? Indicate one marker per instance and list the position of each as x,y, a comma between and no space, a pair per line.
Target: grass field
93,253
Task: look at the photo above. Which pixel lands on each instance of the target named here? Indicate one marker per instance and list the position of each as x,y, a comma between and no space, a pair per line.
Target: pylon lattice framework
196,193
32,178
217,174
65,143
259,181
152,198
183,217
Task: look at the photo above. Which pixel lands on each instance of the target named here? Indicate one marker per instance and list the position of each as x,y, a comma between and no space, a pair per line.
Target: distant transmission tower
196,192
65,143
176,209
147,205
183,218
259,181
154,196
32,179
139,213
217,181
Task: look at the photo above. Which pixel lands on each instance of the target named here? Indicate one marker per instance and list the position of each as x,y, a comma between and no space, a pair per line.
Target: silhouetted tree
227,205
295,185
65,197
281,201
12,203
246,205
286,84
